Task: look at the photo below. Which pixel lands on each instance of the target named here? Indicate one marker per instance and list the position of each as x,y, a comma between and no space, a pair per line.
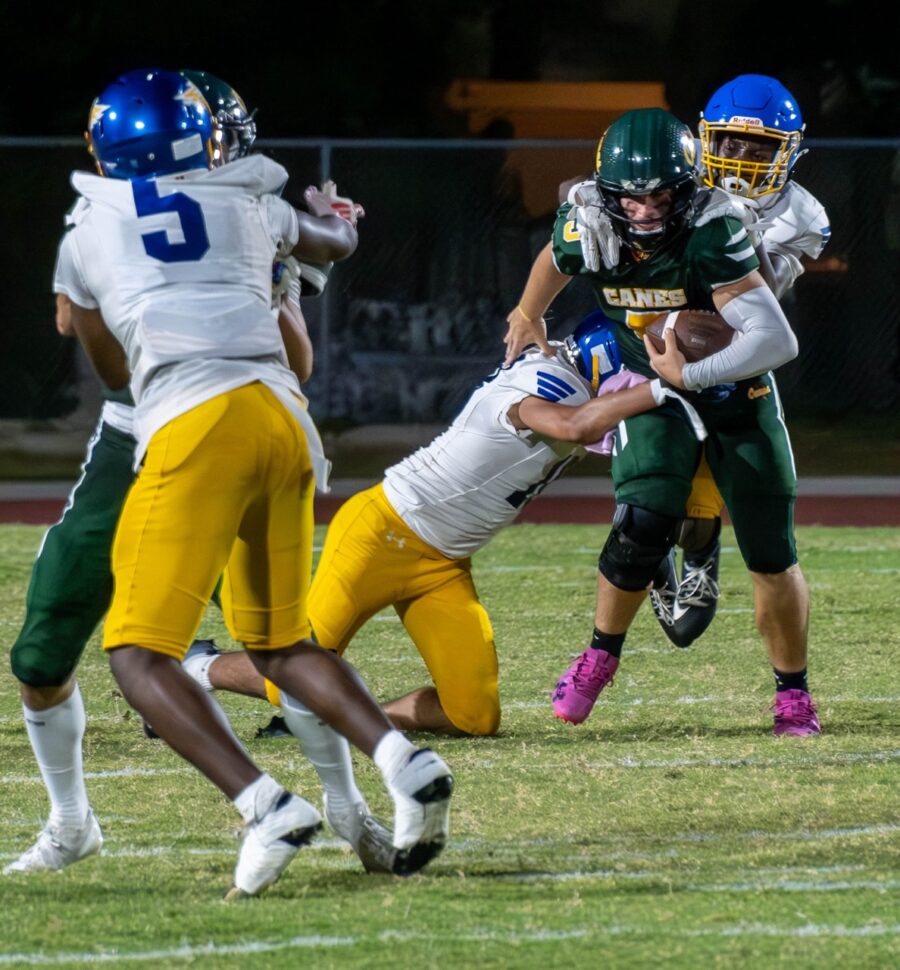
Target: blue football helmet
592,349
750,133
150,122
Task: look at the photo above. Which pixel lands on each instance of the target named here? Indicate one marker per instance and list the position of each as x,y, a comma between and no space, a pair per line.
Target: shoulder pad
256,174
116,193
798,223
548,377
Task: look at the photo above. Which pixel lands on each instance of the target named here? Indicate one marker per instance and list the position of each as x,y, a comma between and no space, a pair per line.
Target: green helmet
642,152
232,120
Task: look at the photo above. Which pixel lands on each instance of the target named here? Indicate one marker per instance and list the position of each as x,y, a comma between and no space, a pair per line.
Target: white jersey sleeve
474,479
68,278
798,226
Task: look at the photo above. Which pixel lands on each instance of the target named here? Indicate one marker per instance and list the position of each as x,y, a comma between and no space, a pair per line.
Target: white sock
258,797
198,668
56,734
327,751
391,753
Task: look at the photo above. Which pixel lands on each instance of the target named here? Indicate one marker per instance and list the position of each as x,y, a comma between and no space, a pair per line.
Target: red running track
858,510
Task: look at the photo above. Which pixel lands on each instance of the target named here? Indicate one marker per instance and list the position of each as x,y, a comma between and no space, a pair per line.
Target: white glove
720,203
599,242
660,392
296,279
286,275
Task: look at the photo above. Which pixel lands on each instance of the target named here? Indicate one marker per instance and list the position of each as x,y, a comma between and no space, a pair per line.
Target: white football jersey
799,225
474,479
181,270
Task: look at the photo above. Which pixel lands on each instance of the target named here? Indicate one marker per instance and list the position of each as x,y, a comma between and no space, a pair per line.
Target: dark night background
380,68
450,233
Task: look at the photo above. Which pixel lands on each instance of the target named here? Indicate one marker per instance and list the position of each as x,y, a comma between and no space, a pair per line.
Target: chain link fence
416,317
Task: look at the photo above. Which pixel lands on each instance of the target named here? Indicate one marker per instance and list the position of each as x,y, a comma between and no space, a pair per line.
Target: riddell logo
750,122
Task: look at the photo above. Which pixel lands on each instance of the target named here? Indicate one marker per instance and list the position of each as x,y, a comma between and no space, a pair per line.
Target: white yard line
319,942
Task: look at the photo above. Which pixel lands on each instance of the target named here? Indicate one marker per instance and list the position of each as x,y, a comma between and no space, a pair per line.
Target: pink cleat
795,713
579,687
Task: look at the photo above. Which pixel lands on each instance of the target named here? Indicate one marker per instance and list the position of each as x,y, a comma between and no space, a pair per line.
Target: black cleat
276,728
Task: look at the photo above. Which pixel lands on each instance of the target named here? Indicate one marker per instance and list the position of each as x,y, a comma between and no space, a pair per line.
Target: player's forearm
785,271
763,341
324,239
526,320
295,335
593,419
778,271
589,421
545,282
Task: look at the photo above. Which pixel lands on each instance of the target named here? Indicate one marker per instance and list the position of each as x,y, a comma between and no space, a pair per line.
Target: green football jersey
682,274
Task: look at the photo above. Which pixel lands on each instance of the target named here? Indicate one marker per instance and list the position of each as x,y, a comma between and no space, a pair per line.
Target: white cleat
421,790
269,844
369,838
58,847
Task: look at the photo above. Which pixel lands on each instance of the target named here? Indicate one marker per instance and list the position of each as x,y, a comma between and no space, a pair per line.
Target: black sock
610,642
796,681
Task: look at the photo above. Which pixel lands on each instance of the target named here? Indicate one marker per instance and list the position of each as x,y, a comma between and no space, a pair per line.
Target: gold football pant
705,500
371,560
226,487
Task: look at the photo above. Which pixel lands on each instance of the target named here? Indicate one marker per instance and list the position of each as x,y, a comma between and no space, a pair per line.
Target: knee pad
638,543
696,535
37,666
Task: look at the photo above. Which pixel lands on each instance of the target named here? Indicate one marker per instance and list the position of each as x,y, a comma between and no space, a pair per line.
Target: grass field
670,829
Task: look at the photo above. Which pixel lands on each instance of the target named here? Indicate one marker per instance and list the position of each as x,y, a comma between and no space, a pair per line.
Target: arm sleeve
764,340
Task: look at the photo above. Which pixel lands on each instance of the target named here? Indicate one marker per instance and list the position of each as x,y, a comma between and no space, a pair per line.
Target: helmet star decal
192,95
98,110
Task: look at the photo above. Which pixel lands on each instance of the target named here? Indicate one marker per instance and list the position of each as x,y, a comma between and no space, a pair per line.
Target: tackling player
408,541
664,244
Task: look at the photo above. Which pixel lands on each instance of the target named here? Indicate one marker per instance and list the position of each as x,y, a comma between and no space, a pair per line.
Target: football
698,333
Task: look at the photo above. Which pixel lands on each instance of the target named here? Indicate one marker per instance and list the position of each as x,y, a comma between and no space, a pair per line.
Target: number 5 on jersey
148,202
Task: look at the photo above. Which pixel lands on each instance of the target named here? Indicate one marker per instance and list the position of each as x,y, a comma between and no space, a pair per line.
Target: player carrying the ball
663,243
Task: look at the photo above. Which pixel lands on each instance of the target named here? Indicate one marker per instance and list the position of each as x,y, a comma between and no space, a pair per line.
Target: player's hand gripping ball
698,333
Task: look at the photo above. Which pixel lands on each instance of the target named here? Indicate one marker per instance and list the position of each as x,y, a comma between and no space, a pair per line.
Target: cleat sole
301,837
410,861
438,790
